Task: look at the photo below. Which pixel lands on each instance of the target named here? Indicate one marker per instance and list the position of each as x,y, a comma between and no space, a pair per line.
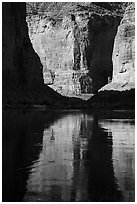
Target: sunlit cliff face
124,50
123,56
83,51
76,52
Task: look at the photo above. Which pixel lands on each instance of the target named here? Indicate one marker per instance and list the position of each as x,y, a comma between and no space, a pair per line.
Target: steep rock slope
124,50
75,45
21,67
124,53
23,82
120,93
20,63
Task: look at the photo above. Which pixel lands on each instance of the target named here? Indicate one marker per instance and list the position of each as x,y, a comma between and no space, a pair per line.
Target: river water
68,156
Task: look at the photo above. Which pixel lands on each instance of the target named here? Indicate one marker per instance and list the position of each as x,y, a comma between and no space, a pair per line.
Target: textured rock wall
124,53
23,82
124,49
120,93
102,31
54,45
76,52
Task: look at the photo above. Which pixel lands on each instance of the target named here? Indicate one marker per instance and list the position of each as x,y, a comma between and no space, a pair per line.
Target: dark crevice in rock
101,35
77,54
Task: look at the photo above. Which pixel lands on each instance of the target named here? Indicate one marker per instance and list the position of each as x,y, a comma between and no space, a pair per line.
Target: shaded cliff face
101,36
76,51
21,66
20,63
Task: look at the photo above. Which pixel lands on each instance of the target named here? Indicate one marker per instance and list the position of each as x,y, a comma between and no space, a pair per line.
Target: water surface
72,156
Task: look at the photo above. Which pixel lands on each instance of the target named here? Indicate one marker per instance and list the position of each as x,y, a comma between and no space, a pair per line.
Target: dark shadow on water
21,143
102,185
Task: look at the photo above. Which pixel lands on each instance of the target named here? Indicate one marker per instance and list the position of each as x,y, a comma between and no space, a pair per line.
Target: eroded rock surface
21,67
120,93
75,50
124,53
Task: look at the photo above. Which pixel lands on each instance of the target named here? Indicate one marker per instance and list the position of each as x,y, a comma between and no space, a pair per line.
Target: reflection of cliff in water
21,143
123,154
75,163
93,178
102,184
51,176
67,157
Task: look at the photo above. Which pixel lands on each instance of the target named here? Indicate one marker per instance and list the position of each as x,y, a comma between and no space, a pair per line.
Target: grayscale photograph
68,101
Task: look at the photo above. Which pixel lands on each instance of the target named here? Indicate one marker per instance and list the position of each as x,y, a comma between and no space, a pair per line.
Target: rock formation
20,62
120,93
21,66
124,50
23,82
75,48
124,53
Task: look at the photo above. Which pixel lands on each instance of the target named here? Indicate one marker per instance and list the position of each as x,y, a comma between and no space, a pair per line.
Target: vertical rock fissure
101,37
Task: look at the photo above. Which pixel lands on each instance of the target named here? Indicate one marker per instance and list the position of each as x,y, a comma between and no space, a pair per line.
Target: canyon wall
21,66
120,93
76,49
124,50
124,53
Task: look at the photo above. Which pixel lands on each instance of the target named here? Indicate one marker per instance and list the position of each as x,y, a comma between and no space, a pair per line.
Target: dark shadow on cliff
102,32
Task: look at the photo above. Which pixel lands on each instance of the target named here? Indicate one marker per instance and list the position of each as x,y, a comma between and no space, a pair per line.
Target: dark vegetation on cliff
117,100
